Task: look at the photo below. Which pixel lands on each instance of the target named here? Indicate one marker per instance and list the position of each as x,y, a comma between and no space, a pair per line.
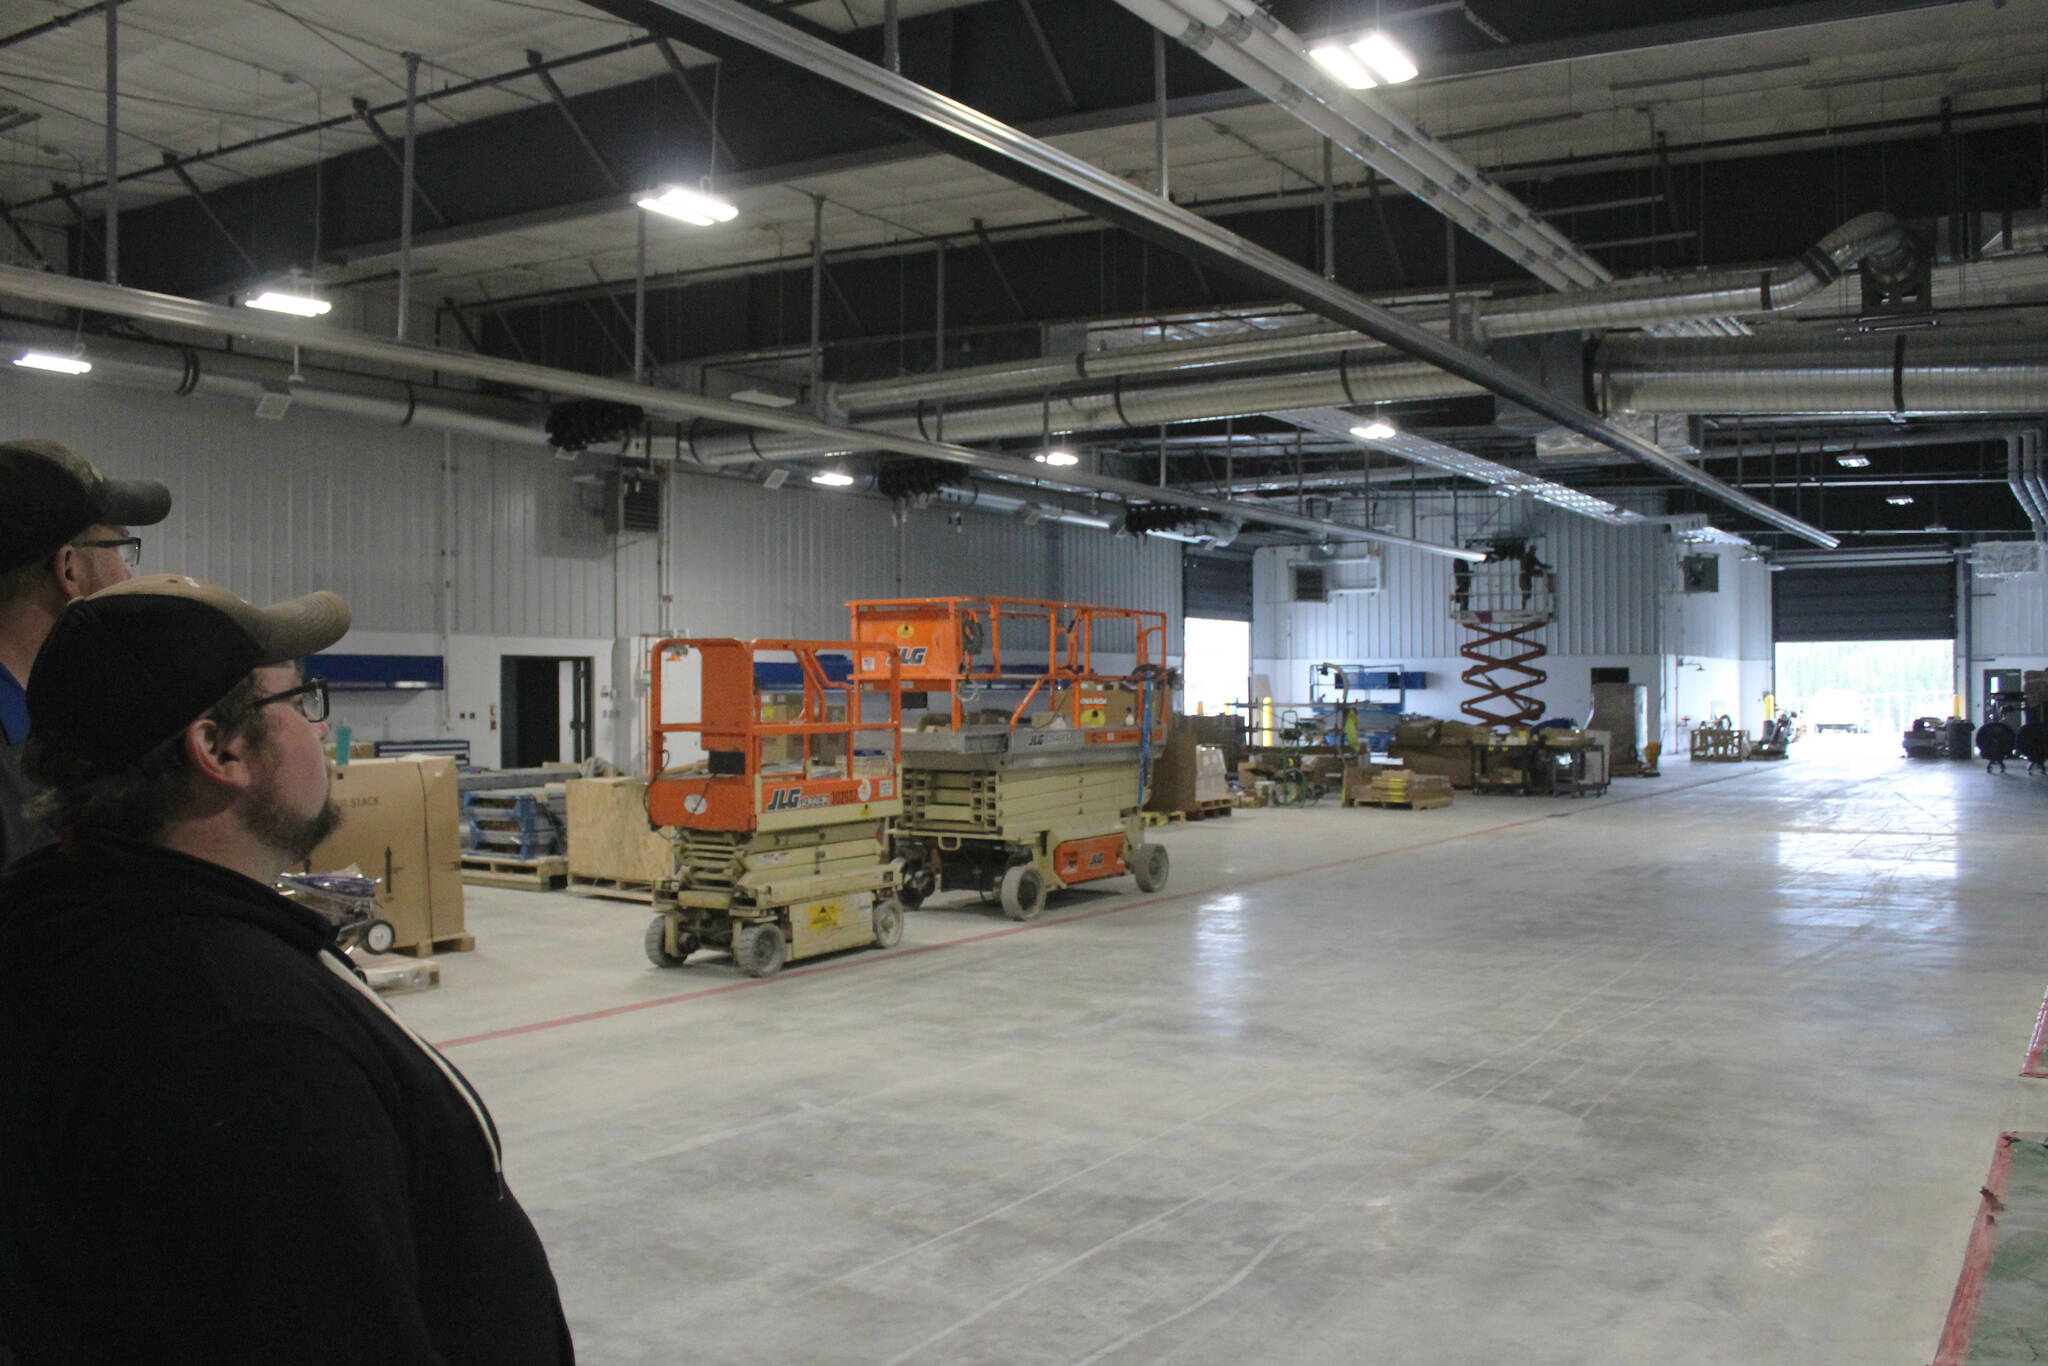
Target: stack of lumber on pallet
1397,787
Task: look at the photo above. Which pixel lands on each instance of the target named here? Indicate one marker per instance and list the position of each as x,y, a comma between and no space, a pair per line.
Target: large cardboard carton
609,837
1173,771
401,824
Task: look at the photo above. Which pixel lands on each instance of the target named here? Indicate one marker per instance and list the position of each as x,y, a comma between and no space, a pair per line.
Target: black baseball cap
50,493
129,667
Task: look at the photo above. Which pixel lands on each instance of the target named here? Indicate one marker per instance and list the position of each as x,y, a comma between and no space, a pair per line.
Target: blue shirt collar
13,708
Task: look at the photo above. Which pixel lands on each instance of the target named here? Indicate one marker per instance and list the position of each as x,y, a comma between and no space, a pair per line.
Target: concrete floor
1708,1070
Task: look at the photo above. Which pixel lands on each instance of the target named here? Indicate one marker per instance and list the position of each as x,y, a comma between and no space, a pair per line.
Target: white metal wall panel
528,557
268,509
1607,584
1753,589
2010,616
1608,579
1140,572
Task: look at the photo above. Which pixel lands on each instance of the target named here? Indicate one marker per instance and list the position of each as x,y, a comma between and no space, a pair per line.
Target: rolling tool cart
775,772
1026,767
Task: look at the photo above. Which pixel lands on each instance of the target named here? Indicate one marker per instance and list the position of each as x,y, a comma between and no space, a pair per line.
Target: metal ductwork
184,370
1382,381
1875,240
2024,476
169,310
1929,371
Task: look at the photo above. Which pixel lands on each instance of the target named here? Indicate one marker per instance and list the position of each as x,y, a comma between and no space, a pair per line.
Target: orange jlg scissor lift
775,772
1025,770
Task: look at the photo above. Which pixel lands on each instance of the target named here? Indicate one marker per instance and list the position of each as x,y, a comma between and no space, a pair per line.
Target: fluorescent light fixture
832,479
1853,462
1379,429
1339,62
761,398
289,301
1899,500
1061,458
56,365
692,206
1385,57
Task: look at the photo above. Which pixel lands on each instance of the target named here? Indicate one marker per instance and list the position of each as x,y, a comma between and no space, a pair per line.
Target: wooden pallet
1210,810
612,888
481,869
427,948
1414,804
395,972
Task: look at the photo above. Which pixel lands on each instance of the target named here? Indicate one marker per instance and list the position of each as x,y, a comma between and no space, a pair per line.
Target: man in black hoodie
216,1144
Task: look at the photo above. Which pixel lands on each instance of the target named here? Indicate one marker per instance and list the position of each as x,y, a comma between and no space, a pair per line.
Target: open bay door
1865,602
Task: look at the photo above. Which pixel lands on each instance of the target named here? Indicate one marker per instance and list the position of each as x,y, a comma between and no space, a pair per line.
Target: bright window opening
1869,688
1218,664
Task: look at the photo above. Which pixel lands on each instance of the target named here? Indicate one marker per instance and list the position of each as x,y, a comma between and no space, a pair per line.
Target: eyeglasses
129,546
311,697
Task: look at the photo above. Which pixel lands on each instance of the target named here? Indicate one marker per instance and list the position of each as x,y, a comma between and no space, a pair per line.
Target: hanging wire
709,175
319,178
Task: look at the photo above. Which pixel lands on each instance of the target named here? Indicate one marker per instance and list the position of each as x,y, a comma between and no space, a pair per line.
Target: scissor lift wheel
1149,866
888,924
1023,893
760,949
657,945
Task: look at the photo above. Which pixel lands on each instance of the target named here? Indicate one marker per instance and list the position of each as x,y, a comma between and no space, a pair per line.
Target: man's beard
296,837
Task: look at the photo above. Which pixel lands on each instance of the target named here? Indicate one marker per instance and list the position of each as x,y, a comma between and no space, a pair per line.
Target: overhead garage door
1218,587
1882,602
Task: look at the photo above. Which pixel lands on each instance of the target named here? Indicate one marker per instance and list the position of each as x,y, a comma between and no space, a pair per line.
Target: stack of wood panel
1396,787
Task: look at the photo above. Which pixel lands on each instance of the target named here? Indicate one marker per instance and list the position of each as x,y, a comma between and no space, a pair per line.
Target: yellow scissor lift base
823,887
1064,823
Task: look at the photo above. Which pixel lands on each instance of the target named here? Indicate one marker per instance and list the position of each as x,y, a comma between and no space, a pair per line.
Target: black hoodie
217,1145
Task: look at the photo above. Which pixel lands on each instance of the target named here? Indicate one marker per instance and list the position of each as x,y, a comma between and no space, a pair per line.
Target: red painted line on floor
2035,1065
1120,908
1962,1310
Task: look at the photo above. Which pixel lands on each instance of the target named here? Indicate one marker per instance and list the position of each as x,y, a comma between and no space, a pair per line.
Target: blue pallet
509,845
515,805
501,818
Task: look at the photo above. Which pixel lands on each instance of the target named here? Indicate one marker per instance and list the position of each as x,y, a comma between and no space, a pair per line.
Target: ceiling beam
987,142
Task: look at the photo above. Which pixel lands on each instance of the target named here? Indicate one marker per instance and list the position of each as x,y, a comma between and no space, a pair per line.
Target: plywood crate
609,837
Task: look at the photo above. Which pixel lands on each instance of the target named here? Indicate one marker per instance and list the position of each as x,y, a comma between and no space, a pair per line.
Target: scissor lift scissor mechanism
1504,602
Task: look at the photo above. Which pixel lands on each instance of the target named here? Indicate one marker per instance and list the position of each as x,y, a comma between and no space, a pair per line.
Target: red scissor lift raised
775,773
1026,769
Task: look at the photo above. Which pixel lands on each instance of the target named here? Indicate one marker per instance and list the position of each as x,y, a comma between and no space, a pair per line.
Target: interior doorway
546,702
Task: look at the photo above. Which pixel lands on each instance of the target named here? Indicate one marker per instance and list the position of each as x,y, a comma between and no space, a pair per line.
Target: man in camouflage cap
65,532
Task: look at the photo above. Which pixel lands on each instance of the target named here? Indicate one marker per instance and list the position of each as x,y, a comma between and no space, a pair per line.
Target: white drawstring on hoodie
348,975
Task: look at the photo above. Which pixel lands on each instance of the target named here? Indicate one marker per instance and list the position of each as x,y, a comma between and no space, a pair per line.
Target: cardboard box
401,824
609,837
1172,786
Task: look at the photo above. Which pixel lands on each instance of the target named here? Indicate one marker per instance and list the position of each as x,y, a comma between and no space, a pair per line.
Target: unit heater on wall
1310,583
632,503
